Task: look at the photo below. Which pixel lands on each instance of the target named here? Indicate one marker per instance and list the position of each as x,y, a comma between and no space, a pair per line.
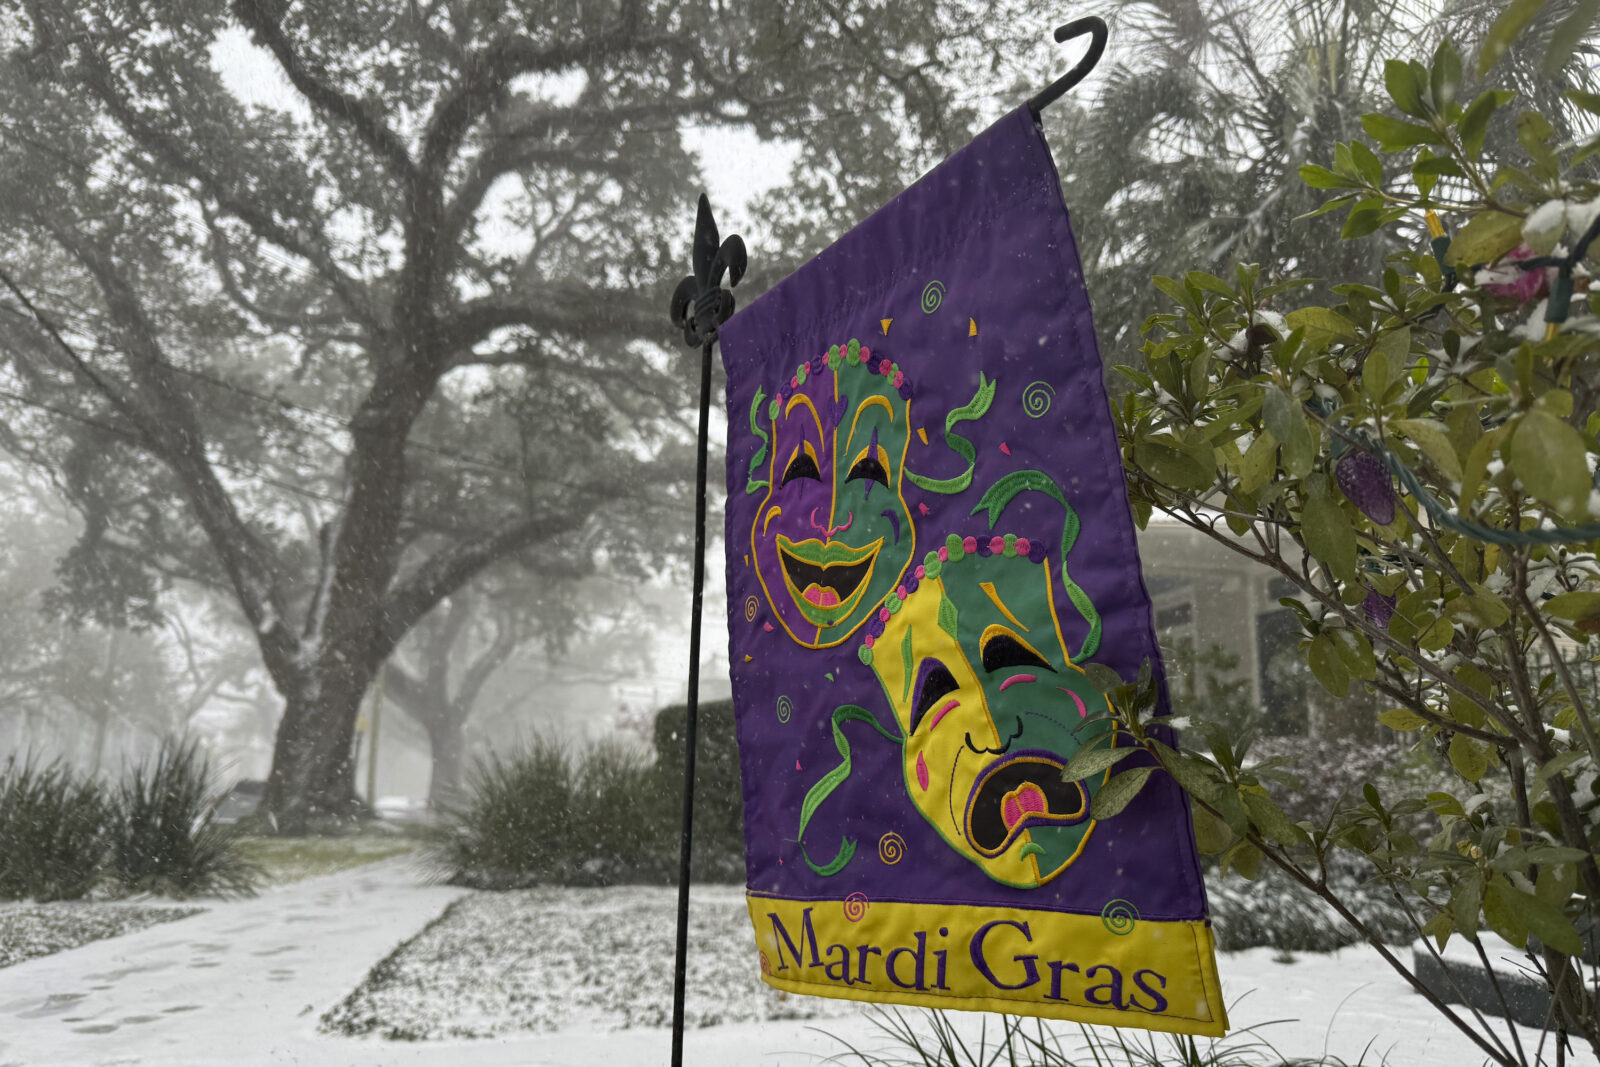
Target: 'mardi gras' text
996,952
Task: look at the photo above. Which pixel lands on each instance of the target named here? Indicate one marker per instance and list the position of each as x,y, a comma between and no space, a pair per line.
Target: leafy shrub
718,798
545,817
1414,452
53,828
163,839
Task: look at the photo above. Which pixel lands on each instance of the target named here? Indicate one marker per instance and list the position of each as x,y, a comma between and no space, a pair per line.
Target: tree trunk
446,742
313,766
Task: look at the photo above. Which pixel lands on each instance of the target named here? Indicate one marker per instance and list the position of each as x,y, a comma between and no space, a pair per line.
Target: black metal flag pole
699,306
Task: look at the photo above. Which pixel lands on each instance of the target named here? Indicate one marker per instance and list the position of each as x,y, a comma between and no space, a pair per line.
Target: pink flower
1523,286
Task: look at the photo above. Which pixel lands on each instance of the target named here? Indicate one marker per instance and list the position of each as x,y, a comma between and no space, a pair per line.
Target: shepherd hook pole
699,306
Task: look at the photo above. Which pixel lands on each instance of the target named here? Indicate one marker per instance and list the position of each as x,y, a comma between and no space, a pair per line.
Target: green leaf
1194,777
1326,665
1535,134
1440,927
1272,820
1433,438
1436,636
1466,901
1325,320
1210,283
1590,102
1575,606
1475,120
1544,921
1404,89
1487,236
1323,178
1445,804
1507,26
1170,465
1244,858
1087,762
1174,289
1260,461
1500,912
1469,756
1558,879
1392,351
1369,166
1103,678
1568,35
1547,456
1287,424
1211,834
1402,719
1329,536
1393,134
1119,792
1445,77
1484,610
1362,220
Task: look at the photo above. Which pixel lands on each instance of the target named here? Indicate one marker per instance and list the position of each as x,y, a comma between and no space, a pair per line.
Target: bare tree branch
261,19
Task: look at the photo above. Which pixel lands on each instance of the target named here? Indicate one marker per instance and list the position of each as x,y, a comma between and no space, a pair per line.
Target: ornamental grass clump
163,839
53,831
549,816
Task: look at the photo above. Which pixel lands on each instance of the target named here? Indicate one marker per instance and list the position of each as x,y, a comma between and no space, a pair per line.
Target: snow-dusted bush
52,832
1274,912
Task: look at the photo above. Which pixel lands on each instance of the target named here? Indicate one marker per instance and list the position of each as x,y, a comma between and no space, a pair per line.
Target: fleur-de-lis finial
700,304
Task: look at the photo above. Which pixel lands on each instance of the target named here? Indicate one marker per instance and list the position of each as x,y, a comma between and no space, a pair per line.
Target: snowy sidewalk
242,983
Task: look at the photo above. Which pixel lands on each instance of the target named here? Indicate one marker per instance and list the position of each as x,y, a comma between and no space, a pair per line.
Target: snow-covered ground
247,981
31,930
552,959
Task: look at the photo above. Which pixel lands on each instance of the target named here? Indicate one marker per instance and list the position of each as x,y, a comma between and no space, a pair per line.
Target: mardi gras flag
928,536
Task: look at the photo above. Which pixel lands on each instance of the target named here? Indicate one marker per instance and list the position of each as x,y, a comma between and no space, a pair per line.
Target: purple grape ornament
1365,483
1379,609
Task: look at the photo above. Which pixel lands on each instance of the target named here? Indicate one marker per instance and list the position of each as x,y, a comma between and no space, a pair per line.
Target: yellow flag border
1013,960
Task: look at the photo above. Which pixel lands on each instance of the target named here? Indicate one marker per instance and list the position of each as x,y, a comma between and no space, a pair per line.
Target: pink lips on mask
822,598
1027,800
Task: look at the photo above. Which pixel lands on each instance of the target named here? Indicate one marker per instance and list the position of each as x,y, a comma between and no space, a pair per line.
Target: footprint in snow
54,1004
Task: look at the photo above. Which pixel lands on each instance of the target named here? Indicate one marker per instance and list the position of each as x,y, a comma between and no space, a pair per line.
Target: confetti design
891,848
855,907
1119,916
932,296
1036,398
751,606
785,708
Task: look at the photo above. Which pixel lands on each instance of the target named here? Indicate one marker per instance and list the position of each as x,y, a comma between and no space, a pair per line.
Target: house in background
1218,606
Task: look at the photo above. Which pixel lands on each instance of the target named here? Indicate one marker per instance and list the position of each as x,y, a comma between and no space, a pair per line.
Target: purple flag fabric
928,536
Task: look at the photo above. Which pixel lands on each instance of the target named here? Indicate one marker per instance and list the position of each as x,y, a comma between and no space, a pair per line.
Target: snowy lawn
246,984
551,959
28,931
